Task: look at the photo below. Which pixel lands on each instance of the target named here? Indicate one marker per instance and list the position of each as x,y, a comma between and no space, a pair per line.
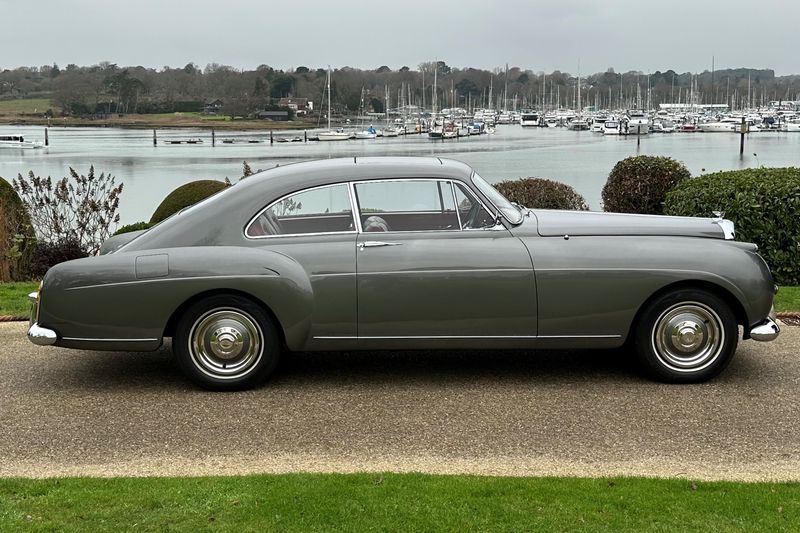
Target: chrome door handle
376,244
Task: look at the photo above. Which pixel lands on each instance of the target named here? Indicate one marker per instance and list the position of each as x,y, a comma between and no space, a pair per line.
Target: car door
432,267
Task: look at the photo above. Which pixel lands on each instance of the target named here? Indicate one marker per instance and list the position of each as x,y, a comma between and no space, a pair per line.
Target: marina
581,159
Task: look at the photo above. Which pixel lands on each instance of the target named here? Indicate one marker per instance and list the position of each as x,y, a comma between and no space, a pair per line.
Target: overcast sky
646,35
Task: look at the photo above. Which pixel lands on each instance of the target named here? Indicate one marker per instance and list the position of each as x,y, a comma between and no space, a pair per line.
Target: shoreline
145,122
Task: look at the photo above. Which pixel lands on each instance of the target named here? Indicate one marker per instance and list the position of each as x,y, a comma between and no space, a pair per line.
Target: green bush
541,193
17,240
640,184
763,203
184,196
136,226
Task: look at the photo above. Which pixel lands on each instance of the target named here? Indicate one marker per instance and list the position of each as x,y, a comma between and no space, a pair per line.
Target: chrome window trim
496,209
455,203
351,190
494,214
452,184
352,215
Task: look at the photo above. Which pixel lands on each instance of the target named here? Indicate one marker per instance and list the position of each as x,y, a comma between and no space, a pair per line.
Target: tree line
110,88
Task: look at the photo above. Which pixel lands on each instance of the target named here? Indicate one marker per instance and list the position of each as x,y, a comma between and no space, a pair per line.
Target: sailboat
579,123
332,135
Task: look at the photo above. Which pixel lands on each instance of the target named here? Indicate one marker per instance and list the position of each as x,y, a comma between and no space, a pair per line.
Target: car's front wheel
226,343
686,336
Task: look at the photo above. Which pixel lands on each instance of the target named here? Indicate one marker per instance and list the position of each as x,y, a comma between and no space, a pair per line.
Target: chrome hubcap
688,337
226,343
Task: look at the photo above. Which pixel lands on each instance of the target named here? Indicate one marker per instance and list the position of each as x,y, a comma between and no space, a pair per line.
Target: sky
540,35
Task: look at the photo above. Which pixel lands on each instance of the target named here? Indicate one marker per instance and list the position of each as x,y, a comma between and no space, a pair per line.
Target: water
579,158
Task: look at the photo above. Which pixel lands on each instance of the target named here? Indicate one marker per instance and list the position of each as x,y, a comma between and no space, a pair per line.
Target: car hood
552,223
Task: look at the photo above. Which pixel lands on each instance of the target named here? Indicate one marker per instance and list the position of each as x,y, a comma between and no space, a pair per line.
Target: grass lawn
24,105
788,299
14,297
396,502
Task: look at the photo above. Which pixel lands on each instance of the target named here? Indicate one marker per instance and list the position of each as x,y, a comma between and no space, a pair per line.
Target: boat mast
505,92
579,89
329,97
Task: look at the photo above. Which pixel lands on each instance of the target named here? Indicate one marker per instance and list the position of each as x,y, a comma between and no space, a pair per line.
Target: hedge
136,226
763,203
17,239
541,193
184,196
640,184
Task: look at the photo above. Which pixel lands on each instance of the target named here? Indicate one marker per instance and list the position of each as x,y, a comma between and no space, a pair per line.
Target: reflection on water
579,158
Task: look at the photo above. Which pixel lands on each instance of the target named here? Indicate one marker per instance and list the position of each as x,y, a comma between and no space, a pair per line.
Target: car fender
132,295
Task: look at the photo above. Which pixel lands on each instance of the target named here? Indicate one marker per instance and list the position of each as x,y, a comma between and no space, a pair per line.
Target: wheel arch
172,322
735,305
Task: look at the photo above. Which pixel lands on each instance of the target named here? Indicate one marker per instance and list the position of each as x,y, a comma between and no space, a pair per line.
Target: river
579,158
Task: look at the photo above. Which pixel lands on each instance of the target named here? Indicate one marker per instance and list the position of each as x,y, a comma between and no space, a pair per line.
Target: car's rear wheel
226,343
686,336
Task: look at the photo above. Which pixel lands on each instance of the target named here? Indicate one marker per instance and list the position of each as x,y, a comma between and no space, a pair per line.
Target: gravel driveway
65,412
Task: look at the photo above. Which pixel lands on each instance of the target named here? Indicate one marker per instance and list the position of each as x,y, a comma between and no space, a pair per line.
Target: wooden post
271,140
741,141
305,136
155,139
213,138
46,138
638,135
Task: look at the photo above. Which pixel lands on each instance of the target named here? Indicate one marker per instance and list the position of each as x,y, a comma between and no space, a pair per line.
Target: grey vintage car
406,253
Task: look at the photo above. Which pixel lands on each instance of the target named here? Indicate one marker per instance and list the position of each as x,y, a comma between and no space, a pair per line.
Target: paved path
66,412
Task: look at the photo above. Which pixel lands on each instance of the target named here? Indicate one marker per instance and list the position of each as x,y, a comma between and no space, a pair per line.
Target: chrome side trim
87,339
432,337
269,273
41,336
447,271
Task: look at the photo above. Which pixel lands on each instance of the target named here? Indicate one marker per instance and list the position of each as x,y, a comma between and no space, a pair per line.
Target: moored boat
18,141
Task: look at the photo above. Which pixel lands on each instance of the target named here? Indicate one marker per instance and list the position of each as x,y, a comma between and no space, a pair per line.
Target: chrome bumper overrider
767,330
36,333
41,336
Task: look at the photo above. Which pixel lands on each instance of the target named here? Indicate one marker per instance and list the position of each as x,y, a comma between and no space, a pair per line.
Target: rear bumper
36,333
41,336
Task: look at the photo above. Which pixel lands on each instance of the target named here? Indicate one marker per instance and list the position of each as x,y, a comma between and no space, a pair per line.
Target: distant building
300,106
273,115
212,107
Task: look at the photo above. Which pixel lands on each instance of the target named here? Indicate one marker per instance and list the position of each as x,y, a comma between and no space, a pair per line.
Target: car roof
326,171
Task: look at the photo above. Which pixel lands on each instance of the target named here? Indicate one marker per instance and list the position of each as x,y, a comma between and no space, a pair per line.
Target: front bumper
766,330
36,333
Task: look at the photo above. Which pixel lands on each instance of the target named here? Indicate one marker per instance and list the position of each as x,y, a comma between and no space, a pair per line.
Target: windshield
507,208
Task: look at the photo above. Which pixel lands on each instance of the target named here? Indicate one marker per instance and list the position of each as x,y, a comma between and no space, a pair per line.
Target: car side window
406,205
319,210
470,211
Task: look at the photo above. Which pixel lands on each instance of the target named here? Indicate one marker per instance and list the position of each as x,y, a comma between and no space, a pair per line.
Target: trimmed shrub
763,203
542,193
184,196
49,254
136,226
17,240
640,184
